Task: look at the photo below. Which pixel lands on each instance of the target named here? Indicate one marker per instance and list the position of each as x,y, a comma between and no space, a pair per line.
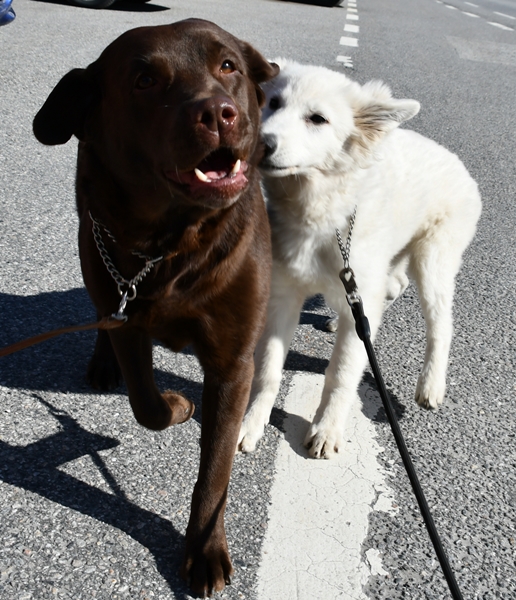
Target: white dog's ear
375,114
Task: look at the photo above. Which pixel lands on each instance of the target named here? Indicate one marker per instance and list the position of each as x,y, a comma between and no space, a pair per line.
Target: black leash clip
348,279
355,302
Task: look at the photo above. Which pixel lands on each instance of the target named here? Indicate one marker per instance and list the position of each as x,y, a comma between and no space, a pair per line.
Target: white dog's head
315,118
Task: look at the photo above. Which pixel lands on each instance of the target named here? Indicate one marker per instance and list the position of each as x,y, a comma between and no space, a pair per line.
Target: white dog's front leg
271,351
342,378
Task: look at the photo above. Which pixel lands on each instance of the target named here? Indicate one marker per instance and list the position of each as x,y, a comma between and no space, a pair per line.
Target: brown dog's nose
217,114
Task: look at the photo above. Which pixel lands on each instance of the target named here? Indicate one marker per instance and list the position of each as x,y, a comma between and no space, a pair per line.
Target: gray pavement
92,505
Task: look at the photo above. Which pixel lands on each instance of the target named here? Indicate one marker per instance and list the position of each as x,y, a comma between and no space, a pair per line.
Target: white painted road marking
468,14
504,15
348,41
319,513
351,28
500,26
352,17
346,60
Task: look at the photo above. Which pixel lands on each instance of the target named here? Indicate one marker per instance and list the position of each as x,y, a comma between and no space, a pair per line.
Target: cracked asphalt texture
92,505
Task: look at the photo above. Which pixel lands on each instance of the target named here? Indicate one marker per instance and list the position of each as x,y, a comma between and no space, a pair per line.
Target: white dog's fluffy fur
333,144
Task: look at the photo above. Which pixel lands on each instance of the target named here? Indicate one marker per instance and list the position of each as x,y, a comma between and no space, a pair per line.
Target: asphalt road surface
94,506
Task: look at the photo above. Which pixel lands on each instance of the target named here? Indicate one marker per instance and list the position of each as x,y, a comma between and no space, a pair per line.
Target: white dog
331,145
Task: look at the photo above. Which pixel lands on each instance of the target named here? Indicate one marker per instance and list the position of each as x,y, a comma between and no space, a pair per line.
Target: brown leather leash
110,322
116,319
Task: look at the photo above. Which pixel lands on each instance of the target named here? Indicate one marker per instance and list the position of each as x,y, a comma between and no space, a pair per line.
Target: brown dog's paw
207,571
182,409
103,374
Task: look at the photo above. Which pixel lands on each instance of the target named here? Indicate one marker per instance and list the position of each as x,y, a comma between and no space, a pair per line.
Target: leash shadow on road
35,468
59,364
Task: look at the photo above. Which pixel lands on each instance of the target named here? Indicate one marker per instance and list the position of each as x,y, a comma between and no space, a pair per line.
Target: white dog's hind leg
398,280
271,351
435,265
342,377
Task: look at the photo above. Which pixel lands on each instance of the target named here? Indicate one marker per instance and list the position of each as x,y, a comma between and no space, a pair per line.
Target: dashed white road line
348,41
351,15
320,509
346,61
504,15
499,25
351,28
469,14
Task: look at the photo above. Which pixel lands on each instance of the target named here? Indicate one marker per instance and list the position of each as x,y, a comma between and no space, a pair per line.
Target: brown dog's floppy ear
260,69
65,110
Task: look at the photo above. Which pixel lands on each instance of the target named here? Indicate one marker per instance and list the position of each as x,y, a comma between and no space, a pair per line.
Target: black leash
364,333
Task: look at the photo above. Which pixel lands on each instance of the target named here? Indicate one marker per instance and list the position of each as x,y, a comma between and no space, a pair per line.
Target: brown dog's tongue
204,174
220,163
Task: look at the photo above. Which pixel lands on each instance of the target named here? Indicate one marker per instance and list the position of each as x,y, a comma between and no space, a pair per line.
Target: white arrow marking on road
319,513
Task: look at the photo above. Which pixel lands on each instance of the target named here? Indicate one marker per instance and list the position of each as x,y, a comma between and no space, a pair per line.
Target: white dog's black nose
270,145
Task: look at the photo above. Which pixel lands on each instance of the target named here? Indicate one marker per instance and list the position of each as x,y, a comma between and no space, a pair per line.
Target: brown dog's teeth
201,176
235,169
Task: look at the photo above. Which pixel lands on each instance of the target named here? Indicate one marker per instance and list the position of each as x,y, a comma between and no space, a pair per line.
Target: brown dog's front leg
103,370
207,565
133,349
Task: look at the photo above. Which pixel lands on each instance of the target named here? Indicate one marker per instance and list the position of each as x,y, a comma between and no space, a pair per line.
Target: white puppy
331,145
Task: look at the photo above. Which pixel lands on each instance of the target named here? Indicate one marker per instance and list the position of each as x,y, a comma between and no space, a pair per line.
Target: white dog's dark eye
317,119
274,103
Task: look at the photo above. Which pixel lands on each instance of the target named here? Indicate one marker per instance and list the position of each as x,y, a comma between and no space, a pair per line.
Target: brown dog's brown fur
157,103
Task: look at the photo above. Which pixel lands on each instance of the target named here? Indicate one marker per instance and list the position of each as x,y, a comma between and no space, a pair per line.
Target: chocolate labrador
173,236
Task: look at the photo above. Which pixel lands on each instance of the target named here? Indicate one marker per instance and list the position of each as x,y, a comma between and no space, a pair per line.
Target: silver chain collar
126,287
346,275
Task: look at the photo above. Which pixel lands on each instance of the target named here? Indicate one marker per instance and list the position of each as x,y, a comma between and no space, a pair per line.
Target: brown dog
168,121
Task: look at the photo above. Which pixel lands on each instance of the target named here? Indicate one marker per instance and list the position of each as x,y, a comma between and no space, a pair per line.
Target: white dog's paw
250,433
429,394
332,324
323,442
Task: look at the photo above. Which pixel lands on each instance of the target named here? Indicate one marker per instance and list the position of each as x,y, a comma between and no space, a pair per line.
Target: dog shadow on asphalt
60,364
34,467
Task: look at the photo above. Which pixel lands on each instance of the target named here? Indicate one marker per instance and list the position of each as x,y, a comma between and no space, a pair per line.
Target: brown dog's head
173,108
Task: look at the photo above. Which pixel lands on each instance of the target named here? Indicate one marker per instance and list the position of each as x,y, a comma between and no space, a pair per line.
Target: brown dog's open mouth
220,171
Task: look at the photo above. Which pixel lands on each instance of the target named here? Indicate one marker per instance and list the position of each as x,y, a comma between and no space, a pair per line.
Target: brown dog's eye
144,82
227,67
